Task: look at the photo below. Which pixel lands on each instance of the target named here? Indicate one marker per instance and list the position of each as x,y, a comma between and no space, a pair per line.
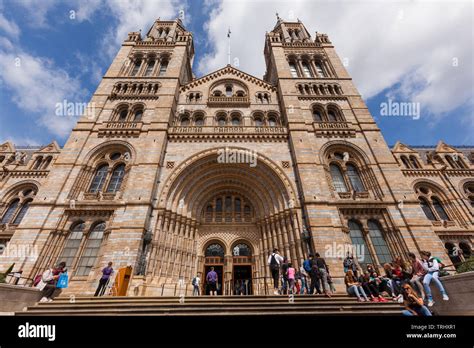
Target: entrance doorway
242,278
220,285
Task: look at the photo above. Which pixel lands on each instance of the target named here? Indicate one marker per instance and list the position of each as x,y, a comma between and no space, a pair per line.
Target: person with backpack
48,281
212,279
431,266
274,261
196,282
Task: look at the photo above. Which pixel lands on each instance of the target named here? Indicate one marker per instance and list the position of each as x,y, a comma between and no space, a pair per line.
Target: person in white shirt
274,261
431,266
196,285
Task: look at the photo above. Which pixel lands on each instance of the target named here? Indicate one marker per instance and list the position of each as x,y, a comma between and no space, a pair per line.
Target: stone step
211,306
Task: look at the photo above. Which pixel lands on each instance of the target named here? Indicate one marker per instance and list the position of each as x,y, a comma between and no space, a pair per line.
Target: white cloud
134,15
412,43
9,27
37,85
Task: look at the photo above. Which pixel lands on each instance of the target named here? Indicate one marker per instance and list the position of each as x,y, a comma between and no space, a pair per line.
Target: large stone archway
264,213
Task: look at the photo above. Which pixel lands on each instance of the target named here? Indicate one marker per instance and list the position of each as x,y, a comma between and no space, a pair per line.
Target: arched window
116,178
228,91
99,178
228,203
123,115
219,205
214,250
21,213
38,162
241,249
47,162
354,178
361,252
337,178
306,70
163,67
91,250
72,244
258,121
466,249
405,162
414,162
320,70
451,161
427,209
199,121
332,116
221,120
439,209
136,67
184,121
149,68
235,120
317,116
138,115
272,121
8,215
378,241
237,205
293,71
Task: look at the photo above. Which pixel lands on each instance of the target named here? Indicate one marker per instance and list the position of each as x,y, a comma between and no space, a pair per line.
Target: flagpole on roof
228,47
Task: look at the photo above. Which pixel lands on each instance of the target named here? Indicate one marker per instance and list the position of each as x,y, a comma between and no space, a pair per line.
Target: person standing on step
304,277
431,266
323,273
212,279
196,285
274,261
315,277
284,276
104,280
290,273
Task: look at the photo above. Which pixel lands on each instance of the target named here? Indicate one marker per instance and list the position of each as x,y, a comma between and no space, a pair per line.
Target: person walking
212,279
315,277
48,281
274,262
291,278
284,275
431,266
104,280
196,285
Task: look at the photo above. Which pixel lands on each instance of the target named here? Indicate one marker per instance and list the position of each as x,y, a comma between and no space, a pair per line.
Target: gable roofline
228,69
399,147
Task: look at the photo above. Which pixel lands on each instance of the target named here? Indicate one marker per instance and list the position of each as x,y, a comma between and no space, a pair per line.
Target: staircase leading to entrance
339,304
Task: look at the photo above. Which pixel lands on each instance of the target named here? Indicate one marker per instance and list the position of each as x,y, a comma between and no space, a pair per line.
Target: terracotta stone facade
173,174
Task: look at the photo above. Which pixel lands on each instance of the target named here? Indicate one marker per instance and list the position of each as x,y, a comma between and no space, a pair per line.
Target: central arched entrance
233,210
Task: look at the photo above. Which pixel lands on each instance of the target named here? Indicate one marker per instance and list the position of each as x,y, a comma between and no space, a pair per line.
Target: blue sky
402,51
